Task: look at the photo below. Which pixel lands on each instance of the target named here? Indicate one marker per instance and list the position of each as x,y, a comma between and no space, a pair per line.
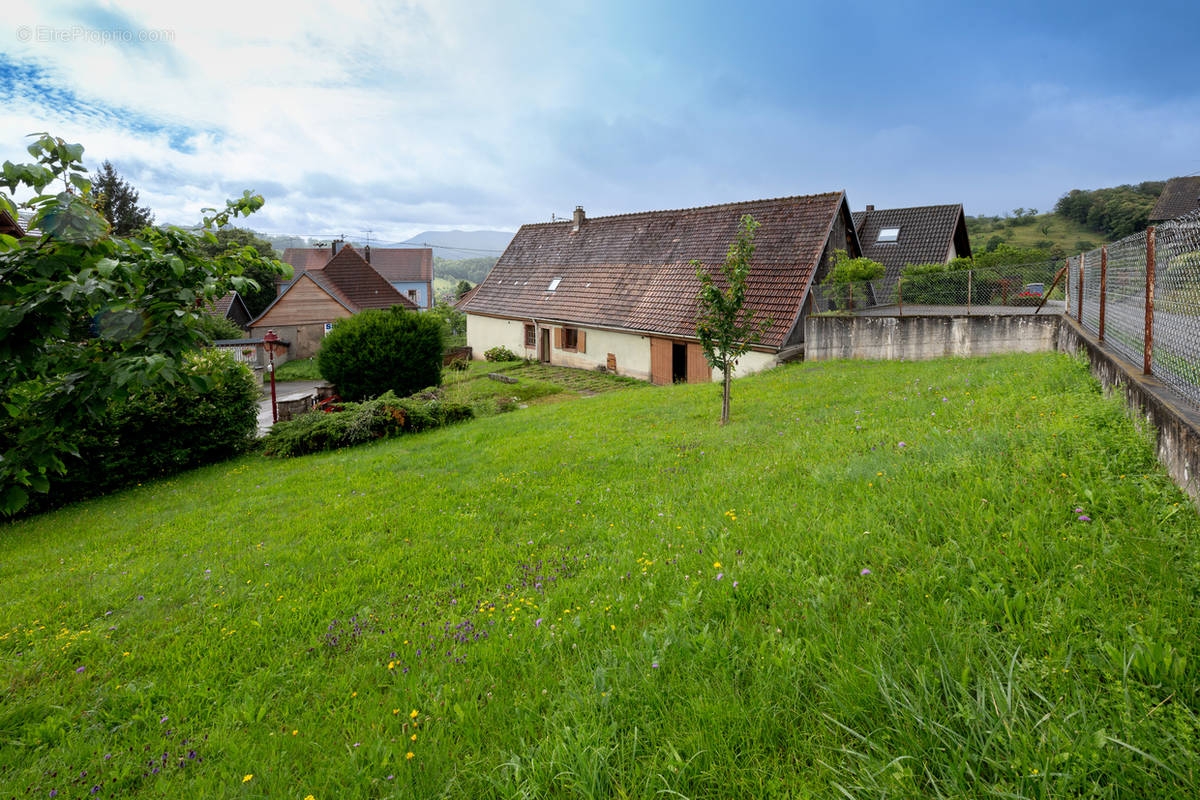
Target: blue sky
451,114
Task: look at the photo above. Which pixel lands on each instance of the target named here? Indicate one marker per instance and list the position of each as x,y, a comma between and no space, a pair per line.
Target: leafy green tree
231,241
848,271
470,269
118,202
462,288
377,351
86,318
725,326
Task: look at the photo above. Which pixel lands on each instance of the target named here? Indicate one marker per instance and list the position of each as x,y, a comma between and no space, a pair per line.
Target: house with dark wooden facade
897,237
231,307
619,292
320,293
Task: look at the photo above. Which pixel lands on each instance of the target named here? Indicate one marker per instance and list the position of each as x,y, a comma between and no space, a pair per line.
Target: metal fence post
1079,311
1148,354
970,274
1103,287
900,294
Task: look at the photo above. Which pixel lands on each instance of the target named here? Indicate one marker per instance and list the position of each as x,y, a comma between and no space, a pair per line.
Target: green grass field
962,578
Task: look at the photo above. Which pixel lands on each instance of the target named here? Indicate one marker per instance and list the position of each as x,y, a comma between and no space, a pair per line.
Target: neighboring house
1180,196
408,269
10,226
232,308
620,292
460,303
897,237
318,295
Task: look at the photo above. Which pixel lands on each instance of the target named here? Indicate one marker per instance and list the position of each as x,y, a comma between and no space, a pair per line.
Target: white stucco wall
632,350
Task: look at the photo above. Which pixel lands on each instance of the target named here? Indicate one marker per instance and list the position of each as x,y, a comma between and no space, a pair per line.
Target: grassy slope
270,613
1063,232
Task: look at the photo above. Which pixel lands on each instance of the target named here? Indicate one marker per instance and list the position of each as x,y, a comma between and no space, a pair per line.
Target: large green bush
358,423
209,415
380,351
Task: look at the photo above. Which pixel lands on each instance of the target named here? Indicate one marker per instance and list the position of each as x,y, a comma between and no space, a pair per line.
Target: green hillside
960,578
1048,231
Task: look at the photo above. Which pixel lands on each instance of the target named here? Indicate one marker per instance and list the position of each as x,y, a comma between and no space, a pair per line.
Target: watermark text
76,34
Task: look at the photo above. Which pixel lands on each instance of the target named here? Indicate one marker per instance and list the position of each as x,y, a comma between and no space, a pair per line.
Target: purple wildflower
81,669
1078,510
161,721
537,623
735,584
902,445
654,665
865,571
1084,518
720,575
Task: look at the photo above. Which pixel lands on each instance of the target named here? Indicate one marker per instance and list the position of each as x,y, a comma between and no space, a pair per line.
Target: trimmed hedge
378,351
211,415
358,423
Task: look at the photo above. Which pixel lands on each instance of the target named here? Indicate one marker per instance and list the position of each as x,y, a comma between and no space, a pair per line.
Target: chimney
334,245
870,208
580,218
367,253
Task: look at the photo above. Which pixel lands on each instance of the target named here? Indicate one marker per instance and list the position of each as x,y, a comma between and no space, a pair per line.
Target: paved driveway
282,390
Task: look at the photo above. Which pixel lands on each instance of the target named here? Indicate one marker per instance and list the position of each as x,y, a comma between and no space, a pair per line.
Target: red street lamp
271,341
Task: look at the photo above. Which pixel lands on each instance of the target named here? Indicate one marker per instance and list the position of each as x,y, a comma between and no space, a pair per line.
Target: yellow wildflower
408,755
413,715
247,778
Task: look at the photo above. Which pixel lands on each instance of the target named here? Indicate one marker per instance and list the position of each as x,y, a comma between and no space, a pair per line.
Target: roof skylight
553,284
888,234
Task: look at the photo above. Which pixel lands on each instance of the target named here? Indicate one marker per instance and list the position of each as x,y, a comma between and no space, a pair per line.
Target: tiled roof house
232,308
10,226
896,237
1180,196
408,269
619,291
320,293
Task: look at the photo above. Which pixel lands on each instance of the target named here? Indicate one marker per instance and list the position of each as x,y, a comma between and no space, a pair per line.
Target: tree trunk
725,397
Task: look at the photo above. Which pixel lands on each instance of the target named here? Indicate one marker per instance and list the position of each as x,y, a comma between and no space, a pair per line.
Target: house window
530,336
412,294
553,284
570,338
888,234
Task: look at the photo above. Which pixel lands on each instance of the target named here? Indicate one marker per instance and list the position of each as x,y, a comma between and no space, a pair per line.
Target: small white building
619,292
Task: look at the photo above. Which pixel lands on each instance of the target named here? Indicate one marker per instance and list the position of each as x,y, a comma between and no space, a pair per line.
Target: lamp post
269,341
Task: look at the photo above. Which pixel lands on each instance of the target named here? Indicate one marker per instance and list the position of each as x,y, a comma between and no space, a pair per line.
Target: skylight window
553,284
888,234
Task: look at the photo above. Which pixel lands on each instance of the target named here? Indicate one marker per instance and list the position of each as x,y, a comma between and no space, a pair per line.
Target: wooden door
660,361
698,370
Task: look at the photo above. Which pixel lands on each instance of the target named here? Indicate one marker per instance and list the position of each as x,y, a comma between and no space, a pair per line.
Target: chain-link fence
1010,289
1141,296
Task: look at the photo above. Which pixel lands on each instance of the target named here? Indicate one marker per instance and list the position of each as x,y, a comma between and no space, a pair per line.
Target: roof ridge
695,208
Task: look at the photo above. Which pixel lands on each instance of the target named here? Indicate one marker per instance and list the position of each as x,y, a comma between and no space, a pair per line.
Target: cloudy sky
403,117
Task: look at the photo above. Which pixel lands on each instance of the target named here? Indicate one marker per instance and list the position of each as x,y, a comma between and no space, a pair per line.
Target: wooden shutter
660,361
581,339
698,370
558,338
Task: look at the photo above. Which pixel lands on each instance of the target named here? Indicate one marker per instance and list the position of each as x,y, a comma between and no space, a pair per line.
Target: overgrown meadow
952,578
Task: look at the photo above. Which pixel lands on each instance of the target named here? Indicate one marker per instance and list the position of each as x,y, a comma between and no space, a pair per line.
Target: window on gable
412,293
553,284
888,234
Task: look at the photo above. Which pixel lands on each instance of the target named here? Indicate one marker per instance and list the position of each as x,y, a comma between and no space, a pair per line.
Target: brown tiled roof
1179,196
349,280
398,264
303,259
632,271
926,233
220,306
359,285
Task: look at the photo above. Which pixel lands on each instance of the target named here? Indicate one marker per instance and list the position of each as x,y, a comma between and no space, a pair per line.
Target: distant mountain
455,245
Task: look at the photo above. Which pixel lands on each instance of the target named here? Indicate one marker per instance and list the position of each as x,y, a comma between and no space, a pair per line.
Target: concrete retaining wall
925,337
1176,426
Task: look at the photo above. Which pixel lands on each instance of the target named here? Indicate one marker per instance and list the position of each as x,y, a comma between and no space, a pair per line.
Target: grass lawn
301,369
962,578
1048,227
536,383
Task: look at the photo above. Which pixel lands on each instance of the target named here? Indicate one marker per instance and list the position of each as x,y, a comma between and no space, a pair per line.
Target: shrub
210,415
500,353
377,351
215,328
358,423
